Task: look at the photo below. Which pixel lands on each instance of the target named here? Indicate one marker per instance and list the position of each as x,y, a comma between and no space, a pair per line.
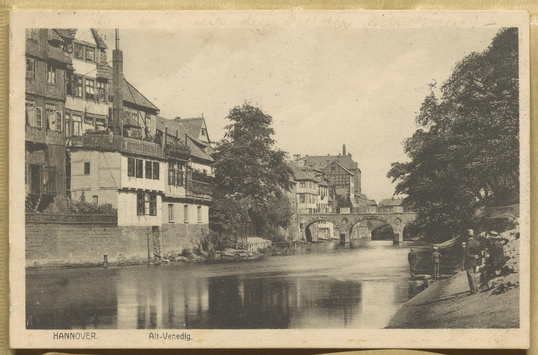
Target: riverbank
449,304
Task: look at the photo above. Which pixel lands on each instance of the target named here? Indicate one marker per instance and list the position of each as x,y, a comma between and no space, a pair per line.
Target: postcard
255,179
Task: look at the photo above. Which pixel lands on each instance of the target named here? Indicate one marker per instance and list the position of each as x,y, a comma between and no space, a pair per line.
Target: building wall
176,237
127,211
104,179
134,182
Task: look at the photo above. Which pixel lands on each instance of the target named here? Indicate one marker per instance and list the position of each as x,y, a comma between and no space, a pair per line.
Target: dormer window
79,51
90,54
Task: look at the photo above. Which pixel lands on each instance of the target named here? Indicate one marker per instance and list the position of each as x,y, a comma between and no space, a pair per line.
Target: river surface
323,286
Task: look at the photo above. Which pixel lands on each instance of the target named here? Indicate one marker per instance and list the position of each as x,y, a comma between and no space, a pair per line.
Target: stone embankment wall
79,245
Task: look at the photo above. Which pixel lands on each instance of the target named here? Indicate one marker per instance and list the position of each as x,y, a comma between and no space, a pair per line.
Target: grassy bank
449,304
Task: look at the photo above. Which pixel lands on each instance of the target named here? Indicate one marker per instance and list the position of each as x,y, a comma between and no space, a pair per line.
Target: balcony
116,143
43,136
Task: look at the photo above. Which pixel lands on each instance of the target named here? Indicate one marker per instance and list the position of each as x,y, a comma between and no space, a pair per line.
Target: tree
250,176
465,153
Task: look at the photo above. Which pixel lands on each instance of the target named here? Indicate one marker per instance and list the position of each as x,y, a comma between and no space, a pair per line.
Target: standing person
436,260
412,258
472,253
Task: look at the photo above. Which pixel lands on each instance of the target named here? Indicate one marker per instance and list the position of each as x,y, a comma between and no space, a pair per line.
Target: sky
323,87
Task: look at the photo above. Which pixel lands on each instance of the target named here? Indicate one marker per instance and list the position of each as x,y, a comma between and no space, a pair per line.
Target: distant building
371,206
391,205
312,196
343,174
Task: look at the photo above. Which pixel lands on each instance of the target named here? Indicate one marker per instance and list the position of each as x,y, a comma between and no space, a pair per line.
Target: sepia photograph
283,178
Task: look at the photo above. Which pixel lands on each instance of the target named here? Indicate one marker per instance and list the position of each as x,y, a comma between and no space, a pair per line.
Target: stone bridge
345,222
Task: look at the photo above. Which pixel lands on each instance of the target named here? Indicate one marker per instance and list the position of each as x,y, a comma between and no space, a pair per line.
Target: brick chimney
117,78
344,149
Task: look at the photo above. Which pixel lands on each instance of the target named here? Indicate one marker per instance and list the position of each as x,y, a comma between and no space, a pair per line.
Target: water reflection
339,288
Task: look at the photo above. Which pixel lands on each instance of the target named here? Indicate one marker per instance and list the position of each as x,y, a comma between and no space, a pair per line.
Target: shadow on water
324,286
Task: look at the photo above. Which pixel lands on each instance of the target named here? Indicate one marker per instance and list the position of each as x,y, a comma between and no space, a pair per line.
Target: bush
81,207
177,151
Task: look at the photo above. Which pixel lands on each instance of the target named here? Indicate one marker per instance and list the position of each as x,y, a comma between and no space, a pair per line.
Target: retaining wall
65,244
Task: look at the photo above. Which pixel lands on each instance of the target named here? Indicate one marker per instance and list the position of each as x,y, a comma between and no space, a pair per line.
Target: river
323,286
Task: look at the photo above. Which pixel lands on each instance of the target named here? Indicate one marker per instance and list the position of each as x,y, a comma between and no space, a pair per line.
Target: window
203,132
67,123
68,47
139,168
51,110
90,89
140,204
101,91
199,214
170,212
302,199
186,213
30,113
148,170
110,95
58,120
95,199
90,54
79,51
87,168
147,119
51,74
100,123
38,118
77,125
88,121
153,204
155,170
30,68
78,86
130,167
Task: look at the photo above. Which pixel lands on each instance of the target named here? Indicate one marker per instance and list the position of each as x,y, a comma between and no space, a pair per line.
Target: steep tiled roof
100,43
321,161
300,174
340,165
68,33
193,126
129,92
175,125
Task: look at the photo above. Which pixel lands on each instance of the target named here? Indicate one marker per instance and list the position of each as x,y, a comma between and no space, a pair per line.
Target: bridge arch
345,222
310,234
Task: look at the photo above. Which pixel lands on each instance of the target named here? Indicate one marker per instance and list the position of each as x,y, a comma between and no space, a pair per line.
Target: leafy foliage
465,153
179,151
86,208
250,175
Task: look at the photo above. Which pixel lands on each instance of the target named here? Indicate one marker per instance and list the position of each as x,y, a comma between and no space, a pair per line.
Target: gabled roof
176,126
321,161
371,203
128,91
334,162
299,174
98,40
66,33
193,126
